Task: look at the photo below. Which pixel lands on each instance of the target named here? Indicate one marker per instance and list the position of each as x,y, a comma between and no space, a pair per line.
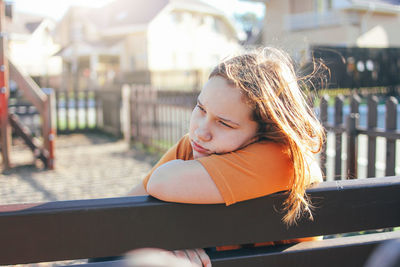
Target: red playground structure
44,103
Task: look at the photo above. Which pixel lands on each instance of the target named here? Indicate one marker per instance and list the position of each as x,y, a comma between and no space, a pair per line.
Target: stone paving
87,166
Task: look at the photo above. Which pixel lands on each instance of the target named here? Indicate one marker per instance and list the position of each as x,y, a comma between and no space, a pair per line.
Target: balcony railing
313,20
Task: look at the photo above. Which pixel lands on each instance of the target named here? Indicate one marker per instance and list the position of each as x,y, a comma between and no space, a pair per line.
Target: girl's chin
197,155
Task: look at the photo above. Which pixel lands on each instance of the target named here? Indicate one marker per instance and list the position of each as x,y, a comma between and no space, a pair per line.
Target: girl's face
221,122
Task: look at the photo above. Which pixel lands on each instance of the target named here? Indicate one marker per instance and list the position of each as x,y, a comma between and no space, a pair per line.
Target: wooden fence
158,119
361,132
348,132
76,110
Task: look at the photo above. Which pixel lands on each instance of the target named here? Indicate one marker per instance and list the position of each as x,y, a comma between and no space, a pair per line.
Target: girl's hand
198,257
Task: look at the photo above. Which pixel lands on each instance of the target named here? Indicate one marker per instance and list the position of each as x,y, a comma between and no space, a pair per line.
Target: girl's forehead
217,88
222,99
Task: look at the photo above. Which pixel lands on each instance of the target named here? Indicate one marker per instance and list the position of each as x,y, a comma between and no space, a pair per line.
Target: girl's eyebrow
220,118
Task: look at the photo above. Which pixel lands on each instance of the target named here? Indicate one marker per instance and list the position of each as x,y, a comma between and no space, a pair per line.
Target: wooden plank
76,101
351,131
99,110
323,107
154,117
372,116
86,108
146,115
126,115
5,128
31,90
139,111
338,136
29,140
391,120
57,105
110,111
134,112
107,227
50,128
67,111
344,252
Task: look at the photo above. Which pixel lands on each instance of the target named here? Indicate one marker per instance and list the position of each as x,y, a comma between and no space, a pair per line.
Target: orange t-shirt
257,170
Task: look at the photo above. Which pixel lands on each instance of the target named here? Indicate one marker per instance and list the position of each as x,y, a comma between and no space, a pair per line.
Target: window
176,17
322,6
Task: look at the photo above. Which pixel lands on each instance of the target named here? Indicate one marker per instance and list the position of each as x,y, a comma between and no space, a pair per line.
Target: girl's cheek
193,119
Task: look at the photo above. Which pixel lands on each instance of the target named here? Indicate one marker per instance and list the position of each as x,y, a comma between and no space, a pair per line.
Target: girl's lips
198,148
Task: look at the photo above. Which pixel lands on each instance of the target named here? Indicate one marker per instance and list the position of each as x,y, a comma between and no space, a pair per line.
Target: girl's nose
203,133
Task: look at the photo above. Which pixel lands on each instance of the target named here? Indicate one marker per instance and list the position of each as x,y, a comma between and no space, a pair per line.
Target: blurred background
126,73
173,44
168,44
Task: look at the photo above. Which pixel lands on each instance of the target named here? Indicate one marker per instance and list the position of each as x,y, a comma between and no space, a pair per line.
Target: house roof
384,6
393,2
141,12
126,12
123,16
87,48
23,23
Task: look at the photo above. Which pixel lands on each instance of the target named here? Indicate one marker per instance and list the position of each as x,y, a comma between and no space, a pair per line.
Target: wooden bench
107,227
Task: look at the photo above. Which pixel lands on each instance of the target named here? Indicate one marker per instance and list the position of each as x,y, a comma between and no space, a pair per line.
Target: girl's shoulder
269,150
266,147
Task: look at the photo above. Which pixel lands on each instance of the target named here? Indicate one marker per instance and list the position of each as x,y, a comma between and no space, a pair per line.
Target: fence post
86,108
323,116
67,118
391,119
372,123
154,118
126,110
338,137
49,126
351,131
76,102
57,106
5,128
139,112
98,108
133,112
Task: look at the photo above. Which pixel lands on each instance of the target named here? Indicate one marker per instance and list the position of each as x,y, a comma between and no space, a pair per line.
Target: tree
247,20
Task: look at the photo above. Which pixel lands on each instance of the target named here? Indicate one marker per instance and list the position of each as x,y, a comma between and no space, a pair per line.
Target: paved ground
87,166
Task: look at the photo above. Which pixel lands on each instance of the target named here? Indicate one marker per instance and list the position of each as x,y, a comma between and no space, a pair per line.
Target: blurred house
31,48
297,25
167,43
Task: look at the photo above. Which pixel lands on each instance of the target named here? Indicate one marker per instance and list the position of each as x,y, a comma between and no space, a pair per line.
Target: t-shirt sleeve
257,170
181,150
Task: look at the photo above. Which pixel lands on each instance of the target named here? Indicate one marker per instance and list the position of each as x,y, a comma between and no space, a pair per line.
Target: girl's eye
202,109
225,125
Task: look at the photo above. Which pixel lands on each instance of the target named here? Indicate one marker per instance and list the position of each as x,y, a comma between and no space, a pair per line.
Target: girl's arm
138,190
184,182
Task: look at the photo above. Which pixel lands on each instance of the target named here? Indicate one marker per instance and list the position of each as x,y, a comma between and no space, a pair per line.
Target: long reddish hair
270,86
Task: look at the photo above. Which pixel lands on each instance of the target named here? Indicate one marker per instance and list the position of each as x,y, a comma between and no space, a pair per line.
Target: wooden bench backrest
107,227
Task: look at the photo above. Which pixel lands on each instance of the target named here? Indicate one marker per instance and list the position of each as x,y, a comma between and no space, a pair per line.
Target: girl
251,134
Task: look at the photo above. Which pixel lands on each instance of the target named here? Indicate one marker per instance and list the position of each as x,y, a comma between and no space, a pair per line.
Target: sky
56,8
